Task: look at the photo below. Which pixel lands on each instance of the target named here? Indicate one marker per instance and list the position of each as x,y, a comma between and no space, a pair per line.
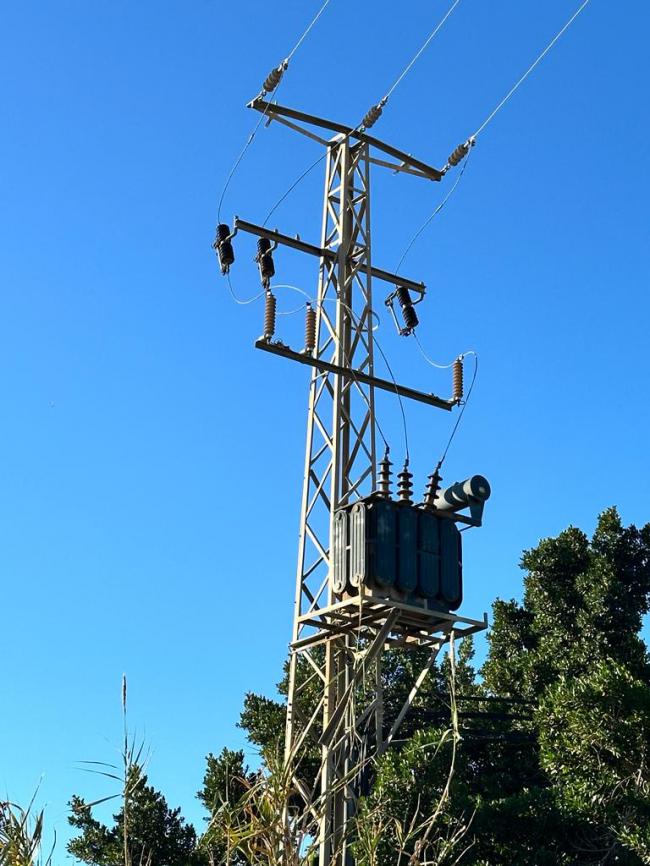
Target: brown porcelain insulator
269,315
459,154
310,329
458,387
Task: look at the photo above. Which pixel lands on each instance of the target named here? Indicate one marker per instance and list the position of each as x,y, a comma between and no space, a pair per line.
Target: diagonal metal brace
370,654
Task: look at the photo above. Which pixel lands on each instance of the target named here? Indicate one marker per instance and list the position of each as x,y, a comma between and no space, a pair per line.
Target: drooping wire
435,213
399,398
288,192
539,59
434,363
460,415
374,113
262,117
242,301
239,159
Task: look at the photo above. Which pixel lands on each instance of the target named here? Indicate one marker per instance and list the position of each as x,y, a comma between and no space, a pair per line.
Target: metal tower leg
339,466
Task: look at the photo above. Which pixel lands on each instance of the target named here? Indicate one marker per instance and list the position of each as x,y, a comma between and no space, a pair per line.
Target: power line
272,82
308,30
433,363
374,113
419,53
298,180
435,213
518,84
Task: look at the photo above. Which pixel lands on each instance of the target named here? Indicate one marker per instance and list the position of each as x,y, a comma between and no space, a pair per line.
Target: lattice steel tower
341,628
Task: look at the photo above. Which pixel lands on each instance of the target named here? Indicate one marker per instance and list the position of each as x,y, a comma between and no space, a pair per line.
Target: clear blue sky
151,460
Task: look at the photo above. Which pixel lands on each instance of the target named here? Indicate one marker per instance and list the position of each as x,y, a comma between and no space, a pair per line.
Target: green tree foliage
551,767
226,784
156,835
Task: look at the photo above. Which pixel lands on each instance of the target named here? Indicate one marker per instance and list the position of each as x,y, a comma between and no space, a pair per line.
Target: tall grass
21,836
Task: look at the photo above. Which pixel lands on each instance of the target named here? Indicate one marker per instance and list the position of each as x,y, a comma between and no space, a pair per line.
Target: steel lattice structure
338,639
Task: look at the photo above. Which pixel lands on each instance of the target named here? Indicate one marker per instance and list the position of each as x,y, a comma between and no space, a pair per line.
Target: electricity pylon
339,636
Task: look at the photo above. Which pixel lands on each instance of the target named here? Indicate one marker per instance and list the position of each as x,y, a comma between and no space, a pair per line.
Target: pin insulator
372,115
458,389
274,77
223,248
310,329
408,313
459,154
383,486
405,485
433,485
269,315
265,261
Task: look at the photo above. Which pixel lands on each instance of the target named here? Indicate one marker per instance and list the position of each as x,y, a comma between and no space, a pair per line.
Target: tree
155,834
226,784
551,765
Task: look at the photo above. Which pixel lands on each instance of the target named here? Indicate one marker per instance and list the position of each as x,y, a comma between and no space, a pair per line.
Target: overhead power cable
539,59
374,113
435,213
291,188
271,83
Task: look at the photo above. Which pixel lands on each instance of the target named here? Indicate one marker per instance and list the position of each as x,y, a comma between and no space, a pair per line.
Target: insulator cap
269,315
310,329
433,485
383,482
409,315
459,154
265,261
457,374
405,485
274,77
372,115
224,248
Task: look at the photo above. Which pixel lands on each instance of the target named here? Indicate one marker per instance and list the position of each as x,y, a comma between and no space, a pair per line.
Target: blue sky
151,460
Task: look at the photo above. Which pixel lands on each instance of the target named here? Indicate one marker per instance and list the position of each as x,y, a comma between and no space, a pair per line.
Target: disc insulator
372,116
265,261
408,312
223,247
274,78
459,154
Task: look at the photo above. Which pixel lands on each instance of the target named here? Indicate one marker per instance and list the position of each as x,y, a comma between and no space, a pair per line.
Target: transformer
398,551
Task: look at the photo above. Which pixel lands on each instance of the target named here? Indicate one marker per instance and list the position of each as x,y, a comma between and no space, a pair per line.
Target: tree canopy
546,761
